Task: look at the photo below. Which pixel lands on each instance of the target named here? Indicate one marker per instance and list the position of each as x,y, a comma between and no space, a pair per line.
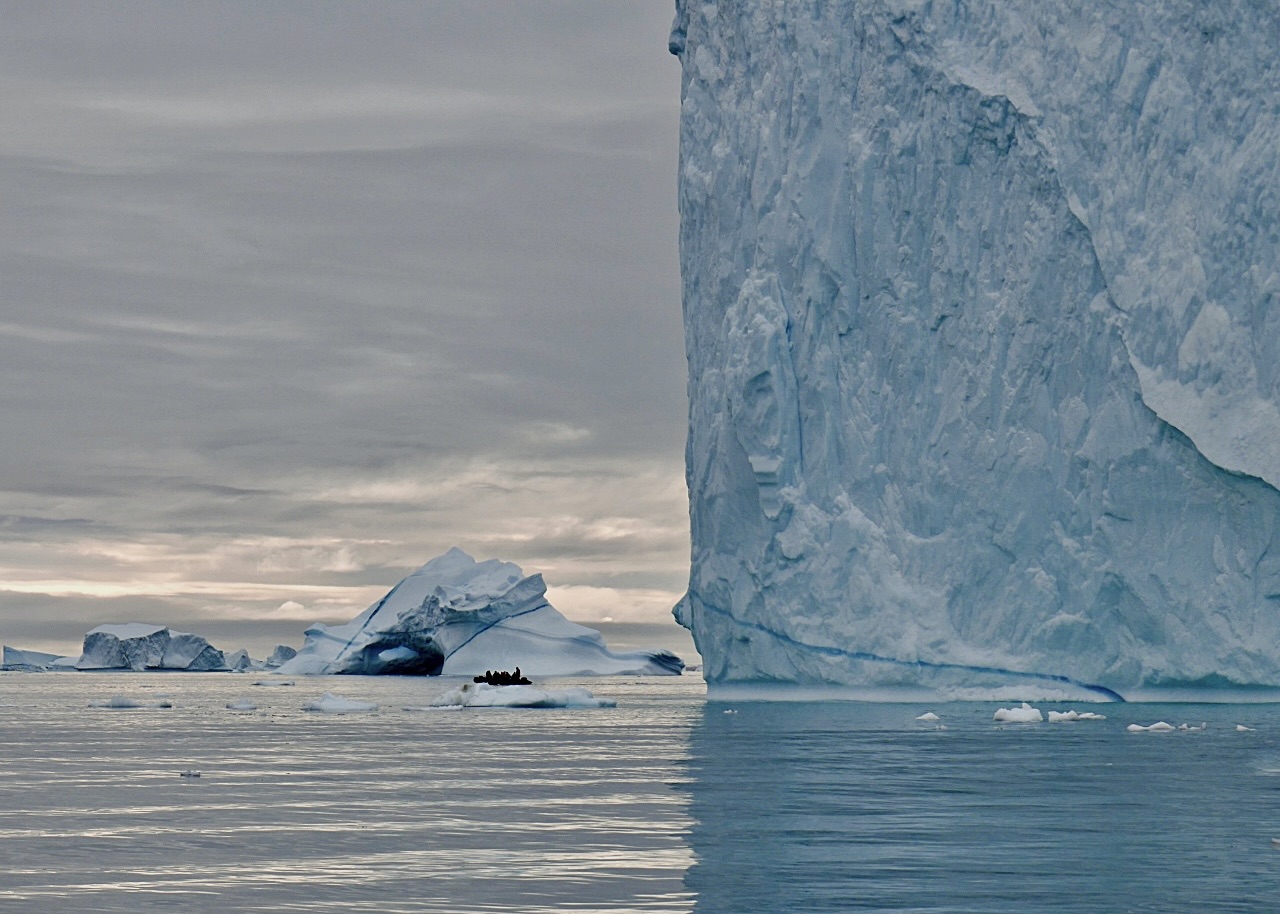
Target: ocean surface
664,803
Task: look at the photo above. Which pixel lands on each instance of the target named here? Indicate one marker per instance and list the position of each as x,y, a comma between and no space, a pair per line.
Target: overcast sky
295,296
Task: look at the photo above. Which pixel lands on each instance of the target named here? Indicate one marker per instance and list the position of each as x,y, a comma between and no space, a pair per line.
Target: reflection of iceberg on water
457,616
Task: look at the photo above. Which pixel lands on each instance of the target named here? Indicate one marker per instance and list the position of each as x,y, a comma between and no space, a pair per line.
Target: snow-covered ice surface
982,307
662,804
457,616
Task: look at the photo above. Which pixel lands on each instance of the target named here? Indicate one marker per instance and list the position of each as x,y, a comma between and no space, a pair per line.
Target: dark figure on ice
502,678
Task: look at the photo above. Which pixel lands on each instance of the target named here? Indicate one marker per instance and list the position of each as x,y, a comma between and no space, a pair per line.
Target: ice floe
1023,715
329,703
480,695
1159,726
124,702
1062,717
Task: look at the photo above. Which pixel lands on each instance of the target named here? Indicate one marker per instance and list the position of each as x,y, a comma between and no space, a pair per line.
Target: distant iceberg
16,659
139,646
457,616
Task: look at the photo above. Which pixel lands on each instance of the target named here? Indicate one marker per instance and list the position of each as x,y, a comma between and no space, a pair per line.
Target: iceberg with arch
457,616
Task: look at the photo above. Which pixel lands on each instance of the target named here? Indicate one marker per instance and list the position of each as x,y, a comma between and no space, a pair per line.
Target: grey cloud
251,251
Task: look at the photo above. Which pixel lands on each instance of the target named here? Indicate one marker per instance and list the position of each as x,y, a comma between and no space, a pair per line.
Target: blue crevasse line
381,603
481,631
925,664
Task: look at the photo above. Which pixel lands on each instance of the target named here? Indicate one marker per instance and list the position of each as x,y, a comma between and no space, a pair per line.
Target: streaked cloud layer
295,296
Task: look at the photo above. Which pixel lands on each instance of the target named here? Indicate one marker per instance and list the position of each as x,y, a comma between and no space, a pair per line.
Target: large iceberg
982,308
139,646
457,616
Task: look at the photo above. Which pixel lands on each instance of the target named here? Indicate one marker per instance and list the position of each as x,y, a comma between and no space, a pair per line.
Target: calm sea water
666,803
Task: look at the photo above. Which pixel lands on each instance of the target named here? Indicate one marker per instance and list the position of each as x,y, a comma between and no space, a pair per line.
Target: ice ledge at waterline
455,615
982,309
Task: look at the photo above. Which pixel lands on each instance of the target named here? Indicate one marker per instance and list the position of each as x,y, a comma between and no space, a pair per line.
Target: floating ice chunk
1241,728
1158,727
275,682
1060,717
929,715
242,704
123,702
1024,715
480,695
329,703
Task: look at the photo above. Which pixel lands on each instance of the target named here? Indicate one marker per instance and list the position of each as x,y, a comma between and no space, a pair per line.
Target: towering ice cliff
982,303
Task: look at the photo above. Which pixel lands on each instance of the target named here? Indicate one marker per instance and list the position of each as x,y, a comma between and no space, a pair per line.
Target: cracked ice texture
982,306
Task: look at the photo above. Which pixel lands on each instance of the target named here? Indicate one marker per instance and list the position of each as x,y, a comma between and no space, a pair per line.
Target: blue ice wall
982,304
